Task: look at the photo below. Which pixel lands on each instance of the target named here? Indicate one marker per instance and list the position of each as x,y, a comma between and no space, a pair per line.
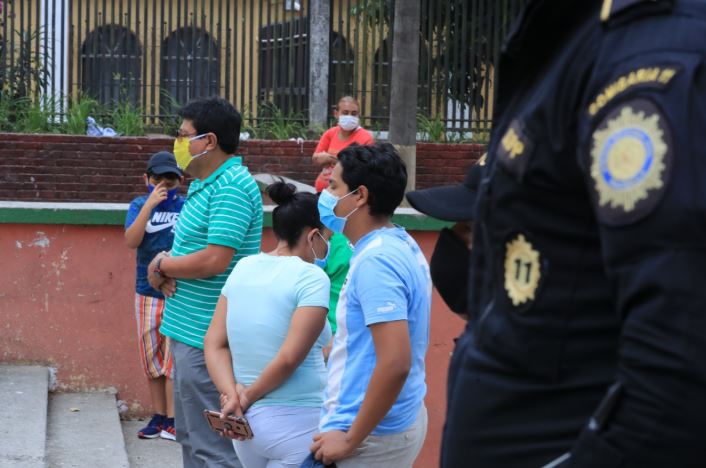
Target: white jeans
390,451
282,436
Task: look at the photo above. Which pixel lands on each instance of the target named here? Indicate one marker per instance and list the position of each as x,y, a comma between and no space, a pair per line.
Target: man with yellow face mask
183,155
220,223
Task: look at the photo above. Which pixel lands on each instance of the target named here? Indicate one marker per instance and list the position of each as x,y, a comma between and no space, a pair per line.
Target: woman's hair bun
281,192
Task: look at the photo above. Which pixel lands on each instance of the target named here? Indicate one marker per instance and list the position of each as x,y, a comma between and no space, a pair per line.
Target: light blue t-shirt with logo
263,291
388,281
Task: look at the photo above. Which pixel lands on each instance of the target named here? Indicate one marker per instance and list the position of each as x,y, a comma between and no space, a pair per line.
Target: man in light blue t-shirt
374,413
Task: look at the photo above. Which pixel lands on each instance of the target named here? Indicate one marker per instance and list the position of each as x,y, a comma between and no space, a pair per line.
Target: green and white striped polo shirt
224,209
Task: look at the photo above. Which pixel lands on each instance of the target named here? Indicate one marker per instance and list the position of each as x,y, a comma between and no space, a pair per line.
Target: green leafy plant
481,137
314,132
37,116
169,122
432,129
20,80
8,113
276,125
248,123
127,120
28,72
81,107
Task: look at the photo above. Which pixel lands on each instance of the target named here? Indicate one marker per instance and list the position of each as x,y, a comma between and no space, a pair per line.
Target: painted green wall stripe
114,214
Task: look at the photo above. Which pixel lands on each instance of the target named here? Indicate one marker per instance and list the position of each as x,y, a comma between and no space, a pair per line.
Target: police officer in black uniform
586,345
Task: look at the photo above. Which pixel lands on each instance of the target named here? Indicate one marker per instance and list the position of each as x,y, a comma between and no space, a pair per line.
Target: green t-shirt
337,268
224,209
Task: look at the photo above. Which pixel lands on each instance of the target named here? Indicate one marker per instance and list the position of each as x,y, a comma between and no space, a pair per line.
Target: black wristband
157,270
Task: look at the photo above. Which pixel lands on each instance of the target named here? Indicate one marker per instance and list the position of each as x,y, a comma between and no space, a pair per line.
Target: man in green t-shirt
336,268
220,223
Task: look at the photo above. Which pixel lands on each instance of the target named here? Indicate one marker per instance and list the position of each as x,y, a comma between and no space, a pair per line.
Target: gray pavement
23,416
84,431
148,453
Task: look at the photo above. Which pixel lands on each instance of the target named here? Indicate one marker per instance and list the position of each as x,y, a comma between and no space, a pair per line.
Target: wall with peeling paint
66,300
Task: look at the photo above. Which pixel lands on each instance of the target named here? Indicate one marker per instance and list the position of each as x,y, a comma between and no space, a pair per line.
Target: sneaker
153,428
168,430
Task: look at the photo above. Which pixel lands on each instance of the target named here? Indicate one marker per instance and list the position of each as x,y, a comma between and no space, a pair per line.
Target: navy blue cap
163,162
450,202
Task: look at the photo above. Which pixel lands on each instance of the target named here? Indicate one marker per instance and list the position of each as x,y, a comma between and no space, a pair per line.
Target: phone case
234,423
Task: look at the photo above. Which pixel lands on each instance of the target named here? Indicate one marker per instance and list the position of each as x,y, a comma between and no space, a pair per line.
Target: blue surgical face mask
327,204
321,262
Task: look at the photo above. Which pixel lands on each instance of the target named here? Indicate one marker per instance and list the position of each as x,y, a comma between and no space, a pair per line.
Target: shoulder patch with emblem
631,158
515,148
522,270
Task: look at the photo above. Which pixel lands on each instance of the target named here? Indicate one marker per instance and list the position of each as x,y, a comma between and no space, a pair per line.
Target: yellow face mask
183,154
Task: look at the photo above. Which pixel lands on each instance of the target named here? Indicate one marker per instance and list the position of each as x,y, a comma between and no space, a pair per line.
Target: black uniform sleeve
643,149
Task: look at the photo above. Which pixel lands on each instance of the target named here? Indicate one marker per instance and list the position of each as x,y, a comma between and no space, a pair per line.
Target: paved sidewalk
148,453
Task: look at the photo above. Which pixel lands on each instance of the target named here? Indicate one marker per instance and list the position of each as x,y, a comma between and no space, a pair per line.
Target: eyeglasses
181,134
191,137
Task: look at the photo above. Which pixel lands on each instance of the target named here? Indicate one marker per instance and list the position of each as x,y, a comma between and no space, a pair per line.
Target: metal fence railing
155,55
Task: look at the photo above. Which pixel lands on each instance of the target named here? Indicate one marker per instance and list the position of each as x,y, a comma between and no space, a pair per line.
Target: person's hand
231,404
326,350
158,195
153,278
168,287
243,396
325,159
332,446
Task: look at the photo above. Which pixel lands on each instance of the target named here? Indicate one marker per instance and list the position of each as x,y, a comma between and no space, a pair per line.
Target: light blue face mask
327,203
321,262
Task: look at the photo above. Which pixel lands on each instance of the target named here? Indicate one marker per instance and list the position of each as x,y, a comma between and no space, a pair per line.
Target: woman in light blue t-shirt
264,345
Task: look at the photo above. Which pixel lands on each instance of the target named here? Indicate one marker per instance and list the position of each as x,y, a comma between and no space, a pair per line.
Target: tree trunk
403,84
319,24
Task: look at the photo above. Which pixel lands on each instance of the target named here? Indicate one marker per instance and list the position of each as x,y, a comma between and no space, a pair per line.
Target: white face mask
348,122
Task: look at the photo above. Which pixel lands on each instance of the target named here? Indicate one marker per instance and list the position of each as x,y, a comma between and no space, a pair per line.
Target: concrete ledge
12,212
84,431
23,416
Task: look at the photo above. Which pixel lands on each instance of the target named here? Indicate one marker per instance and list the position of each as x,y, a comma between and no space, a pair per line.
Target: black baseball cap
450,202
163,162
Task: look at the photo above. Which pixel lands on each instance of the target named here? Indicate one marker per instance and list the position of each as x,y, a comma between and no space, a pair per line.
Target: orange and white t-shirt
332,144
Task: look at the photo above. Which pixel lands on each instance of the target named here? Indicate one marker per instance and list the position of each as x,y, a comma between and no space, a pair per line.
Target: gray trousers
390,451
193,392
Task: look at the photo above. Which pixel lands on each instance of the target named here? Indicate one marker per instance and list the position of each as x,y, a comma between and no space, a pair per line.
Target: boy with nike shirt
149,227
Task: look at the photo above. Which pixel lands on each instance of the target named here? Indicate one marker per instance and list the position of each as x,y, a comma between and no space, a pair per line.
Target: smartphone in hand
238,425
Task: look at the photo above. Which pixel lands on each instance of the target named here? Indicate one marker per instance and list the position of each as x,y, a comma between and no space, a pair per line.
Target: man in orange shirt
347,131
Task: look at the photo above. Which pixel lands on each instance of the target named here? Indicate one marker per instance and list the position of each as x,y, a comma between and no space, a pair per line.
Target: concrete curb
84,431
23,416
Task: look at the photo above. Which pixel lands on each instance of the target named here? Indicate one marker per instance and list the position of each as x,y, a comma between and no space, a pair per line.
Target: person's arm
218,358
211,261
135,232
654,255
321,156
304,329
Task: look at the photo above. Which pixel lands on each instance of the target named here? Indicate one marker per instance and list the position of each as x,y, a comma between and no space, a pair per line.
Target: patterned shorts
154,347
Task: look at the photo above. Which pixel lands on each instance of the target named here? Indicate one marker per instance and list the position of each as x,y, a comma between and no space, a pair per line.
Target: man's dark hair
380,169
215,115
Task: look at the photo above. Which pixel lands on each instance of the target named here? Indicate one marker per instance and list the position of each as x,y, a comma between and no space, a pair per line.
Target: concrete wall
66,300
